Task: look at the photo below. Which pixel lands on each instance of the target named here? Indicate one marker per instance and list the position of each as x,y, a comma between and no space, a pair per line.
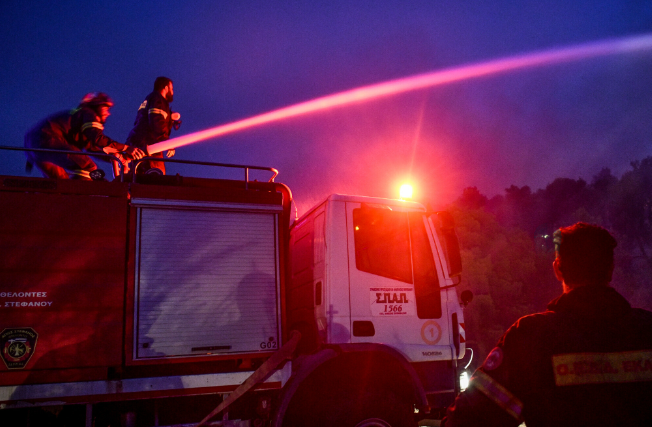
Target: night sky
231,60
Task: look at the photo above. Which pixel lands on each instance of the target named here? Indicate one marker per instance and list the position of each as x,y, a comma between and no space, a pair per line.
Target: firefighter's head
100,102
164,86
584,255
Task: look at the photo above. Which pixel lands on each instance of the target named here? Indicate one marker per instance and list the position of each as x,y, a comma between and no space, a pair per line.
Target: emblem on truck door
17,345
431,332
392,301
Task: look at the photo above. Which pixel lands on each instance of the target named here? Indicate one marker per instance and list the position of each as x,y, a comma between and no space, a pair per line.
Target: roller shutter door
206,282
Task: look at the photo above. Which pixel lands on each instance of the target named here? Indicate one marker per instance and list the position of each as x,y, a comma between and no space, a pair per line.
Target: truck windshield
395,245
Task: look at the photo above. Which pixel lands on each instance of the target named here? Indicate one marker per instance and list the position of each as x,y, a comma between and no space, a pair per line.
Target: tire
373,409
346,392
360,409
373,422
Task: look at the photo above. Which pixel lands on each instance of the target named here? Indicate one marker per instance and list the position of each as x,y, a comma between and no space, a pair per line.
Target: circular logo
17,350
431,332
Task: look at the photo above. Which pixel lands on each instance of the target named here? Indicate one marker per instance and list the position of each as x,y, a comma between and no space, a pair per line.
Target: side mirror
466,297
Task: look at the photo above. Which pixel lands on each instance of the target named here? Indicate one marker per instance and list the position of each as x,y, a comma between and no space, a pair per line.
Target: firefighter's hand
170,153
134,153
125,164
122,159
176,120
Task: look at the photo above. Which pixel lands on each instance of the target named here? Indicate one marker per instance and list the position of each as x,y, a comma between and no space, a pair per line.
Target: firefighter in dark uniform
586,361
75,130
154,122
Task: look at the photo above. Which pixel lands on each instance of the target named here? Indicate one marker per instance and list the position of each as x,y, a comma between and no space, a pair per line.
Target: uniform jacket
80,128
586,361
153,122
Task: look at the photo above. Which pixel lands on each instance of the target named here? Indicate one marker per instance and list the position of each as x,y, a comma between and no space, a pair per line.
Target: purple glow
536,59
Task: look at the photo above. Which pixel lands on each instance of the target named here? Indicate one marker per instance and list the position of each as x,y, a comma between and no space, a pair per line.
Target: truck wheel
354,409
377,410
373,422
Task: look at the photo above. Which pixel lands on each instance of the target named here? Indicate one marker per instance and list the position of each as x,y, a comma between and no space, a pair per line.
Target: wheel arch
362,365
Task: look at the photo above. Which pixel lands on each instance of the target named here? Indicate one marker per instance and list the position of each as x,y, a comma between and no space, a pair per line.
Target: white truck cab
379,275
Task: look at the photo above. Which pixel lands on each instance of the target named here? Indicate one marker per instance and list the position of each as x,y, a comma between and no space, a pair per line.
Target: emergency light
405,191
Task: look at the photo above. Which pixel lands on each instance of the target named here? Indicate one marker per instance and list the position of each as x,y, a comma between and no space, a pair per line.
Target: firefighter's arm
93,131
176,120
473,408
159,120
176,123
131,153
490,400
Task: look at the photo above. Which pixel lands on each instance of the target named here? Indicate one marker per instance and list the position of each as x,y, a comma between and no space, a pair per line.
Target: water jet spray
421,81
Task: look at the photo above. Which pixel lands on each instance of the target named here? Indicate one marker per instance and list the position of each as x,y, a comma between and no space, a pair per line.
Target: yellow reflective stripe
82,173
498,394
602,368
158,111
93,125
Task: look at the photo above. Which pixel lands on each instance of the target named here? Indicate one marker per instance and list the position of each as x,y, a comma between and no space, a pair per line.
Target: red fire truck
170,300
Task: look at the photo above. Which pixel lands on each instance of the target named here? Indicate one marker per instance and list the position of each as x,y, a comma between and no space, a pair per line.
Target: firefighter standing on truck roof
75,130
154,122
587,361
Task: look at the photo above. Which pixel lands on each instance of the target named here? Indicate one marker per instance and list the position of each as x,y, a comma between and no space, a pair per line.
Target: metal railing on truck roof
113,159
246,168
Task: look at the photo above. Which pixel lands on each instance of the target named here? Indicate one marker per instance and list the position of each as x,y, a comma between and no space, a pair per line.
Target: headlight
464,375
464,380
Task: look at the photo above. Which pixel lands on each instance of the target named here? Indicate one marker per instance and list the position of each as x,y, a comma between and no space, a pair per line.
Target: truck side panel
338,309
62,270
300,289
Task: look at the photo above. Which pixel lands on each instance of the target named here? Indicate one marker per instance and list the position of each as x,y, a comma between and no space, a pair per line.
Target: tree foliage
507,250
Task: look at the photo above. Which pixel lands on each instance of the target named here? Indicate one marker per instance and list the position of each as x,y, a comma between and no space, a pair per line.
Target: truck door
395,278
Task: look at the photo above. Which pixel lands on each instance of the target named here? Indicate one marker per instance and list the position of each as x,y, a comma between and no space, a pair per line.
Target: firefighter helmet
96,99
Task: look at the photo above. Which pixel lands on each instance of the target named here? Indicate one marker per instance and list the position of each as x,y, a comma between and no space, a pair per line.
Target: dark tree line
507,249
